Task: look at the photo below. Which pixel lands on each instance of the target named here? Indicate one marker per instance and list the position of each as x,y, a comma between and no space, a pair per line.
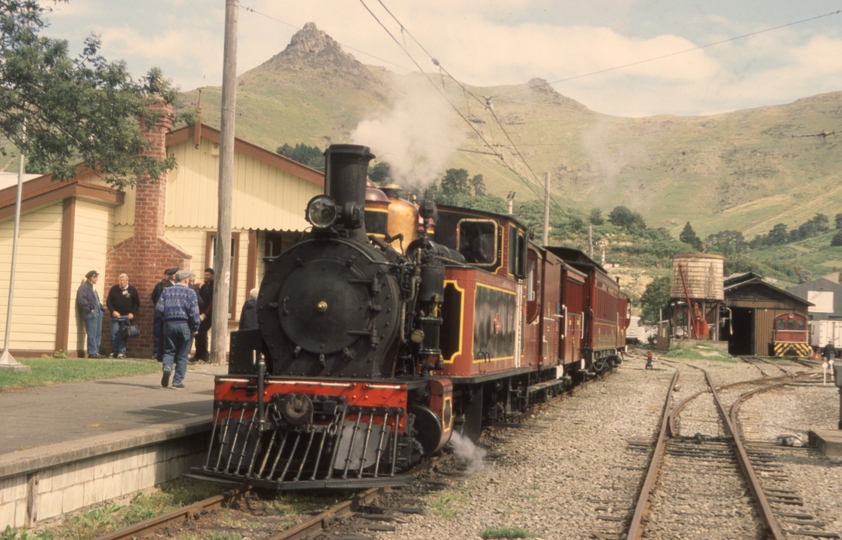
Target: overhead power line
484,101
676,53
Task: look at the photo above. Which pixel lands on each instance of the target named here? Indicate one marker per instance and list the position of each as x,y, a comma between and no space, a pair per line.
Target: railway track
702,481
365,513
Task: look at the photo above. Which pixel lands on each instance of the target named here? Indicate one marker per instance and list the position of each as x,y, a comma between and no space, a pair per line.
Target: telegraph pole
222,260
545,237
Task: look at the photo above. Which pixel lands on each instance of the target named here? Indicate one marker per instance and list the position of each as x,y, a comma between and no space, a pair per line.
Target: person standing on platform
90,309
248,316
206,292
178,307
122,302
157,324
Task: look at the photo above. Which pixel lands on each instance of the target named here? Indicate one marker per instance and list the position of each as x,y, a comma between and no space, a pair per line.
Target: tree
726,242
838,219
625,218
688,236
59,111
454,184
381,173
777,235
478,185
312,156
595,217
814,227
654,298
837,239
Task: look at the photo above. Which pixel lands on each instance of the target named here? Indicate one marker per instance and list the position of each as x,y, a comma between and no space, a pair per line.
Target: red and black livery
373,346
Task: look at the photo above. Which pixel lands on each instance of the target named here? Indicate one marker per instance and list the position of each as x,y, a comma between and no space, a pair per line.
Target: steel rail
642,506
765,509
324,520
148,526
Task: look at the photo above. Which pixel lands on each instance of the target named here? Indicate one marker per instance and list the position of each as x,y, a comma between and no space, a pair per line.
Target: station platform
46,415
68,446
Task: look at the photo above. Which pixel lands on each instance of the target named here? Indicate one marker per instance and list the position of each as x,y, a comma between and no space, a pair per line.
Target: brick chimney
147,253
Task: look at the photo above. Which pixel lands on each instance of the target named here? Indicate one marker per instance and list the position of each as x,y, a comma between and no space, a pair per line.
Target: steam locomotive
394,324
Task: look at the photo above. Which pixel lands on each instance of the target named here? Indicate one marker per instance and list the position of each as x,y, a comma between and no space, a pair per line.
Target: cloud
497,42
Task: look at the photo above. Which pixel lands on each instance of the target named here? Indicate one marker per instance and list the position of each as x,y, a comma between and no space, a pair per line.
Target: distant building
825,295
752,305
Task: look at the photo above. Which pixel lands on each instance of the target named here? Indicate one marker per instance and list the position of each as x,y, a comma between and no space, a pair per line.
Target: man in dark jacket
206,292
122,302
157,324
90,310
248,316
179,309
829,351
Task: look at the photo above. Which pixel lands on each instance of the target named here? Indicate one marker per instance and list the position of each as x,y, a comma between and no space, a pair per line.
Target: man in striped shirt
178,307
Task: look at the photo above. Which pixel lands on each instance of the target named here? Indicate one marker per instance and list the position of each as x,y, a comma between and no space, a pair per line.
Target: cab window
478,241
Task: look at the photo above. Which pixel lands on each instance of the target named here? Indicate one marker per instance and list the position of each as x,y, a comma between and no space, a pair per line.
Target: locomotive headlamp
321,211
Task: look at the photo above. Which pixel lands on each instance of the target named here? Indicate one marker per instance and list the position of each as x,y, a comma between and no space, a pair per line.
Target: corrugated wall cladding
93,237
264,197
35,310
703,275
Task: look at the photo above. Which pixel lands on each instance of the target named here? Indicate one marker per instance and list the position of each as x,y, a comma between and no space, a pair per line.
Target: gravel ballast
576,469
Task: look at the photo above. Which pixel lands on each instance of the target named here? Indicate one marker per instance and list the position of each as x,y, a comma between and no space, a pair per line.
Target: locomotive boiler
392,325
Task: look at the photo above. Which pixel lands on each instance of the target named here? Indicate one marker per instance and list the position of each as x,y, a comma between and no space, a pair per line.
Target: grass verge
505,532
109,516
47,371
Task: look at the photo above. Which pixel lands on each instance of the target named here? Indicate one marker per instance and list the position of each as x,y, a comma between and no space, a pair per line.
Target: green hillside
745,170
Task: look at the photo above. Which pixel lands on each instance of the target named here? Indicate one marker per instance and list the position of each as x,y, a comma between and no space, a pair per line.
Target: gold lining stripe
461,317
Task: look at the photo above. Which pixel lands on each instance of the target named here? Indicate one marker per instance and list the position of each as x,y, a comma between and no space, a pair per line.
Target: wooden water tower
696,294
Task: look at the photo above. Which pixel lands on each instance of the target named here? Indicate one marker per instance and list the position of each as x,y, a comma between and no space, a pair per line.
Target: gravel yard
580,457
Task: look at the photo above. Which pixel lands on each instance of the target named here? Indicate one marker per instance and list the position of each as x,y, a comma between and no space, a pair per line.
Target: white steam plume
471,453
417,137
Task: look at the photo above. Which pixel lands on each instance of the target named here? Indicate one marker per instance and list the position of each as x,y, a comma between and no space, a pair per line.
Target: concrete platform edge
33,459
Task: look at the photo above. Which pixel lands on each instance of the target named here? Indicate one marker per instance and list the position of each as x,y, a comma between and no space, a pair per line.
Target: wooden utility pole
222,259
545,238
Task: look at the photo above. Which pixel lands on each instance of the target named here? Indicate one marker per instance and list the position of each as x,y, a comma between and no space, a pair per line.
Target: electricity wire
485,102
668,55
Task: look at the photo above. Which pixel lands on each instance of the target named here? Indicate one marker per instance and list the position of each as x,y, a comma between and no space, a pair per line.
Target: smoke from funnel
417,137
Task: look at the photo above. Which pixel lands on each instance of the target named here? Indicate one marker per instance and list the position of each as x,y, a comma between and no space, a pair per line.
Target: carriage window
533,286
800,324
781,324
531,277
478,241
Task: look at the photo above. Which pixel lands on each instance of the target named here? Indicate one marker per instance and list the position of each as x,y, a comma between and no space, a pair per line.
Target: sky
629,58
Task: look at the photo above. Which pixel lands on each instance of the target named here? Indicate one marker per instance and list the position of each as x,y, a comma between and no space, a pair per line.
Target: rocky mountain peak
312,49
311,40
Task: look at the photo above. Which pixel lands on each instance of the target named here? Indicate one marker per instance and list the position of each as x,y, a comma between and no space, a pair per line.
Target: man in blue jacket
90,310
179,309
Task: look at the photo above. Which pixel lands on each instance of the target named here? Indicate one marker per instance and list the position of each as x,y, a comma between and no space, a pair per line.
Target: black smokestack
346,170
